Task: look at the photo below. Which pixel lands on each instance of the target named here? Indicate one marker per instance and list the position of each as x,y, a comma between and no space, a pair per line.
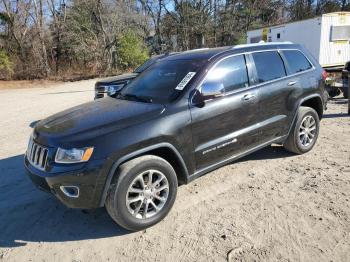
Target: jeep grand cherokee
184,116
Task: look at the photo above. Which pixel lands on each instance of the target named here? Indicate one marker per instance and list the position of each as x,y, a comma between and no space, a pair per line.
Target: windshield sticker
185,81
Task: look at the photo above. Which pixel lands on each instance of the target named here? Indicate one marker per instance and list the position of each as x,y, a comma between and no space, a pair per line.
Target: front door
225,126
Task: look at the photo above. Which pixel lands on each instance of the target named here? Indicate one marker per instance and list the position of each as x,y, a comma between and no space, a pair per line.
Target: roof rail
262,44
197,49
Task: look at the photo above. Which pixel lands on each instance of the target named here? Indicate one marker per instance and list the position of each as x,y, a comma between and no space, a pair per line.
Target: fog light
70,191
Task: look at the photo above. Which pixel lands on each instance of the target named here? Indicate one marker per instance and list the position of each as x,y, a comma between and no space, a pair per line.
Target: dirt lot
270,206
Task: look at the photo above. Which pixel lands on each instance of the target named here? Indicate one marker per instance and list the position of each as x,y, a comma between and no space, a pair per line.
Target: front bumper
90,179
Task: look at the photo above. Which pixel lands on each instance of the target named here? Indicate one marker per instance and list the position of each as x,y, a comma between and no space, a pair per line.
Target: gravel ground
269,206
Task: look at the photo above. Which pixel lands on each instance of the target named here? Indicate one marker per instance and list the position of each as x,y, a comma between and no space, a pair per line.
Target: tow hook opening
70,191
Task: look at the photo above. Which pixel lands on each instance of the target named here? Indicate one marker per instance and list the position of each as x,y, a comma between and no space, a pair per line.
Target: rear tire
334,92
345,92
133,201
304,133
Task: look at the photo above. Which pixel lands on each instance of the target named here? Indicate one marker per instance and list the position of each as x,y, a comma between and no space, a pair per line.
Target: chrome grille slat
34,152
41,156
37,155
45,157
31,150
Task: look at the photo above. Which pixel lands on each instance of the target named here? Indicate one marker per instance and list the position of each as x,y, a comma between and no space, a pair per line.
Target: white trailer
327,37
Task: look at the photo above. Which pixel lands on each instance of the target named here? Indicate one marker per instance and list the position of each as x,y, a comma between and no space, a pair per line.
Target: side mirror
211,90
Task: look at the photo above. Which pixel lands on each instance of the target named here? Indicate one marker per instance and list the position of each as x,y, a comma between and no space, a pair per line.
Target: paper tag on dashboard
185,81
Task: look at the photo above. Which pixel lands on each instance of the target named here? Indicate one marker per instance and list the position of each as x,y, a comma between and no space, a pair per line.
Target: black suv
111,86
184,116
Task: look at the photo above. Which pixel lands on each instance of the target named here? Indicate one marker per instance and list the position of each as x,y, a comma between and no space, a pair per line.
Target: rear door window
269,66
297,62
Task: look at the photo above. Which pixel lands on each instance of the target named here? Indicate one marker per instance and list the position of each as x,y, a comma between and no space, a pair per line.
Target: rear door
301,73
224,126
275,89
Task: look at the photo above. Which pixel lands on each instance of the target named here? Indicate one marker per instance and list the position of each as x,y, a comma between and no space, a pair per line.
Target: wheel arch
164,150
314,102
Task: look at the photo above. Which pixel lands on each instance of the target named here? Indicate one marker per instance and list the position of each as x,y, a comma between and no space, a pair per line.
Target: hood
117,79
96,118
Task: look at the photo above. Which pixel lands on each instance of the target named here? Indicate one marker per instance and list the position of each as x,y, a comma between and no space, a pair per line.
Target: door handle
248,97
292,83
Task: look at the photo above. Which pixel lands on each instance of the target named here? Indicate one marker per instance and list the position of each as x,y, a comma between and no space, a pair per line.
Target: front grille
99,94
100,91
37,155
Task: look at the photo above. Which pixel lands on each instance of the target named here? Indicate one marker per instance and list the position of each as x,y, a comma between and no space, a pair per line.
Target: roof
199,54
209,53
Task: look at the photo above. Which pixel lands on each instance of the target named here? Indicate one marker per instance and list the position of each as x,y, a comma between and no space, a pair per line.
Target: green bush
131,51
6,66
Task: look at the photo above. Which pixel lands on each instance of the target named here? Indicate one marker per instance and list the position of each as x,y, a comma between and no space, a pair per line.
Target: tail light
324,75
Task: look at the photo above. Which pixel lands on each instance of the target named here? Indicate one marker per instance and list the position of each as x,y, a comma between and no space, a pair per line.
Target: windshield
162,82
146,64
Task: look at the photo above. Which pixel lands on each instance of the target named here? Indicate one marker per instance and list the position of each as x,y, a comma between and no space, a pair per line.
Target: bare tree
38,18
154,8
42,37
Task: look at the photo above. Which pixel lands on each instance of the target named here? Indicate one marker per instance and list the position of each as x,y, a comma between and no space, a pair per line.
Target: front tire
142,192
304,132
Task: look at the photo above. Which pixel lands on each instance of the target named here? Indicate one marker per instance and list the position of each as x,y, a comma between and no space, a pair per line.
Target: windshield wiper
136,98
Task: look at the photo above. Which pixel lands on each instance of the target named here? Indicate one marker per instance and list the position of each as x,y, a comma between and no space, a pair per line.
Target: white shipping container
326,37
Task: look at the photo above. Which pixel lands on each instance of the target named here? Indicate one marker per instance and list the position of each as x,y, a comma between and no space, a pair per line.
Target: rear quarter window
297,62
269,66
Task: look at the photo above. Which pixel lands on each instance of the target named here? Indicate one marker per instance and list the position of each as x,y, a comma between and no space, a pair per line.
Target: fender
302,100
132,155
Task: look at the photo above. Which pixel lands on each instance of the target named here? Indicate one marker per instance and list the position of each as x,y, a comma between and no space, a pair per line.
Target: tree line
79,38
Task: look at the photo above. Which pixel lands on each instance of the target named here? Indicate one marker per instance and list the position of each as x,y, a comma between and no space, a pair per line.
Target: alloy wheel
307,130
147,194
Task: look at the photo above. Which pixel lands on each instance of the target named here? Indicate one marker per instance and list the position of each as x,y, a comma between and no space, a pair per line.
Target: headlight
74,155
113,89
